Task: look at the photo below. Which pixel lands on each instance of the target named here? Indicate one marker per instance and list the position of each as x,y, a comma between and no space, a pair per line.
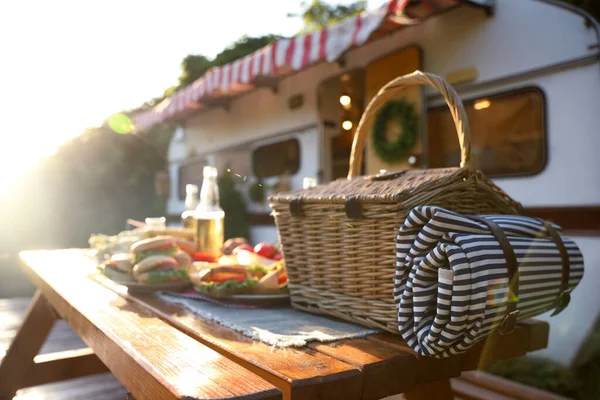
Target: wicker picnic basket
339,238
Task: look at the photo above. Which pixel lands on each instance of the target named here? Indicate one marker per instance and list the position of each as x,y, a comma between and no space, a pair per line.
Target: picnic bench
161,350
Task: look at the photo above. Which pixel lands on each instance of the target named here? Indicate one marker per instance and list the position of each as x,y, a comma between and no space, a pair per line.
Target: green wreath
403,113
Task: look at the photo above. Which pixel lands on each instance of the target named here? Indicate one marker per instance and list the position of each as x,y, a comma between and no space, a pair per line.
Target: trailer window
190,173
276,159
507,131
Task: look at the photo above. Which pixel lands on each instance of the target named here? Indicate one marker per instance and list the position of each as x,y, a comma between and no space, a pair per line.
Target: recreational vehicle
528,72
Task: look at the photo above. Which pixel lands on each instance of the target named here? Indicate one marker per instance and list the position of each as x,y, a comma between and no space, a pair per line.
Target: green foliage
579,382
256,191
402,113
587,363
318,15
242,47
195,65
543,374
93,184
235,207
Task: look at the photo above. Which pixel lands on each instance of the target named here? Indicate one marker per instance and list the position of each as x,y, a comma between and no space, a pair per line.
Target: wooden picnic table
160,350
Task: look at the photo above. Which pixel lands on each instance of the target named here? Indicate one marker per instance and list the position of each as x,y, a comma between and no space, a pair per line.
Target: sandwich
159,269
272,280
221,280
183,259
188,246
156,246
118,267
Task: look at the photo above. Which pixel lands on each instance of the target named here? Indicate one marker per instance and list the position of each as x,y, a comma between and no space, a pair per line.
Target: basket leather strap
564,297
295,209
510,318
353,208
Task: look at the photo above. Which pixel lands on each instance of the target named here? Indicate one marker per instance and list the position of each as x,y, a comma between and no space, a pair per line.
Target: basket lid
391,187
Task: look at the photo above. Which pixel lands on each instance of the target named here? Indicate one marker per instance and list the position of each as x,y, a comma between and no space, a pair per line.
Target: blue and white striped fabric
451,277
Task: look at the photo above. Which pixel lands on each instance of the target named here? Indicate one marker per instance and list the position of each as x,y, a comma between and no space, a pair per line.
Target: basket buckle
507,326
562,301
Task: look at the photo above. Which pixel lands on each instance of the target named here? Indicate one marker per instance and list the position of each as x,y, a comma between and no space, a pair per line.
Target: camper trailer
528,72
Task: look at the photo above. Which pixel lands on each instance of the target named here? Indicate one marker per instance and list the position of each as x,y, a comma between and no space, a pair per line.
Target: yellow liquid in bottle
208,232
209,235
188,221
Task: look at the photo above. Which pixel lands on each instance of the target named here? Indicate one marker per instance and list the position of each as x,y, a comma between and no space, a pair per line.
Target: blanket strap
564,297
510,319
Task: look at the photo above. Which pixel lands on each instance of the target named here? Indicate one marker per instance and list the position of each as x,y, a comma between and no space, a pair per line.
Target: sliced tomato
165,246
221,277
243,246
265,250
282,278
208,257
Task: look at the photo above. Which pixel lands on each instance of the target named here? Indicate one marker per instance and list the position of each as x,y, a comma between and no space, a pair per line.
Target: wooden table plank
151,358
374,367
386,370
299,373
388,366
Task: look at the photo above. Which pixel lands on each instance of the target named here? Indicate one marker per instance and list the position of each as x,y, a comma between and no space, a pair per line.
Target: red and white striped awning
287,55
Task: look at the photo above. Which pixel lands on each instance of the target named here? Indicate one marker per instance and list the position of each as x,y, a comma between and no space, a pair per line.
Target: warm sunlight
28,138
72,64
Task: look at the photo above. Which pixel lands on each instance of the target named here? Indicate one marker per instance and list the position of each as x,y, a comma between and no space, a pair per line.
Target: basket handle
387,92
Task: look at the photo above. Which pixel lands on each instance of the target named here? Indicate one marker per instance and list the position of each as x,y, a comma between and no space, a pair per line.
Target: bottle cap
189,188
209,171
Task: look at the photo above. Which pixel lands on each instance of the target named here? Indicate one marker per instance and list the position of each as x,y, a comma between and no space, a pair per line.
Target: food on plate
206,257
169,231
258,271
228,260
118,267
275,281
105,245
185,245
265,250
248,258
221,280
231,244
156,246
243,246
183,259
158,269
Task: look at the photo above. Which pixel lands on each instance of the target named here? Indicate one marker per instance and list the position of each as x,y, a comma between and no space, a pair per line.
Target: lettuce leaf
258,268
175,274
213,286
145,254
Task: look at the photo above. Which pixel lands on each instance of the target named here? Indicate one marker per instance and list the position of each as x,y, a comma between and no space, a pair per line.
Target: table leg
438,390
39,319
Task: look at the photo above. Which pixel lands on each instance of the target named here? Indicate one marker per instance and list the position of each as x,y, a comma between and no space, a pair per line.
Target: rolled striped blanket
452,276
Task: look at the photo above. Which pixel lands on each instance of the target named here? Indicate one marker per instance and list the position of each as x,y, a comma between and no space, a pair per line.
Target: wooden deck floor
471,385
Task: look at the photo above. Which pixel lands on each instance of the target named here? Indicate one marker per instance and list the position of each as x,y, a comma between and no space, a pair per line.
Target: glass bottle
191,202
207,219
